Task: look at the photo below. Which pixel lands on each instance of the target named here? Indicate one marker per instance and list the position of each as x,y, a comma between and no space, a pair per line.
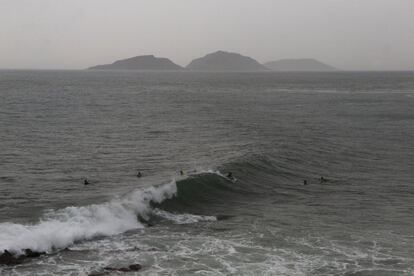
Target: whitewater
58,229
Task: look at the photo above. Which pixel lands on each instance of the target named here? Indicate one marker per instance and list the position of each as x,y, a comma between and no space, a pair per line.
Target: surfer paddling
85,182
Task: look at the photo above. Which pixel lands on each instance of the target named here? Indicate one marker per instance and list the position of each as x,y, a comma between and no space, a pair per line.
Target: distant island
218,61
226,61
148,62
306,64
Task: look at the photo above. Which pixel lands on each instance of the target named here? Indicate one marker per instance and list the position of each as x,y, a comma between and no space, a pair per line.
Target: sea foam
58,229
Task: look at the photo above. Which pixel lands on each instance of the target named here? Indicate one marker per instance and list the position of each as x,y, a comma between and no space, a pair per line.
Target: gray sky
74,34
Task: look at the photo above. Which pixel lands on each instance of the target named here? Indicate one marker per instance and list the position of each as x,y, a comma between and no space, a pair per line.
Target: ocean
272,131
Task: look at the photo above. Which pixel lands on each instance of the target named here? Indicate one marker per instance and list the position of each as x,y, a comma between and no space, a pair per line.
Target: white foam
182,218
216,172
61,228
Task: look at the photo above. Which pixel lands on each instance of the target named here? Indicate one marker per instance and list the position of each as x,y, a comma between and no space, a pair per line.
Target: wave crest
58,229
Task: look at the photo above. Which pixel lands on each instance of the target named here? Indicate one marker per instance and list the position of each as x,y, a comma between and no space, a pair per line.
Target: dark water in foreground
271,130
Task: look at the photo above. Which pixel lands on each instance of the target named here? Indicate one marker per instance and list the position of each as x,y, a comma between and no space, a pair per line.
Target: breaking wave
184,201
58,229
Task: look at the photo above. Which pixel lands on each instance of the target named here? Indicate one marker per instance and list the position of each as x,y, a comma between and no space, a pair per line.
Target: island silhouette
225,61
219,61
148,62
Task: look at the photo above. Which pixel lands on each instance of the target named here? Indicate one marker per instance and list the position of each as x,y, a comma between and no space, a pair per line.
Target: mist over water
271,130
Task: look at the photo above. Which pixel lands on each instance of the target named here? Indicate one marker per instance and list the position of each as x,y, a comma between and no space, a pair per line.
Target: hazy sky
72,34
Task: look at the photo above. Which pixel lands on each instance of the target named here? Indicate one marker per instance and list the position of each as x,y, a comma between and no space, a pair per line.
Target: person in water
305,182
139,174
181,173
86,182
229,175
323,179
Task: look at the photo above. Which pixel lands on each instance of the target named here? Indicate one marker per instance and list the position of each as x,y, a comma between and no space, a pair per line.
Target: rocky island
226,61
148,62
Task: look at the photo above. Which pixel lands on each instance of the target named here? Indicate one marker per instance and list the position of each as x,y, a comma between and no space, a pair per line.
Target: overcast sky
74,34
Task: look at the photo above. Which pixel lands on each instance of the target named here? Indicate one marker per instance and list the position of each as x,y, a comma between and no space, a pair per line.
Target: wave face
58,229
199,192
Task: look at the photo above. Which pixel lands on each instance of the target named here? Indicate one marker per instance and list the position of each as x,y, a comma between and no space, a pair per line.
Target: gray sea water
271,130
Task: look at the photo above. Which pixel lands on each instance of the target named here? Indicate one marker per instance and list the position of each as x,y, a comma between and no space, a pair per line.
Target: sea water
271,130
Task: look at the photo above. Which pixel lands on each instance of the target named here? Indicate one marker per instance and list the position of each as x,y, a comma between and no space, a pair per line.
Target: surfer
139,174
181,173
323,179
86,182
230,175
305,182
